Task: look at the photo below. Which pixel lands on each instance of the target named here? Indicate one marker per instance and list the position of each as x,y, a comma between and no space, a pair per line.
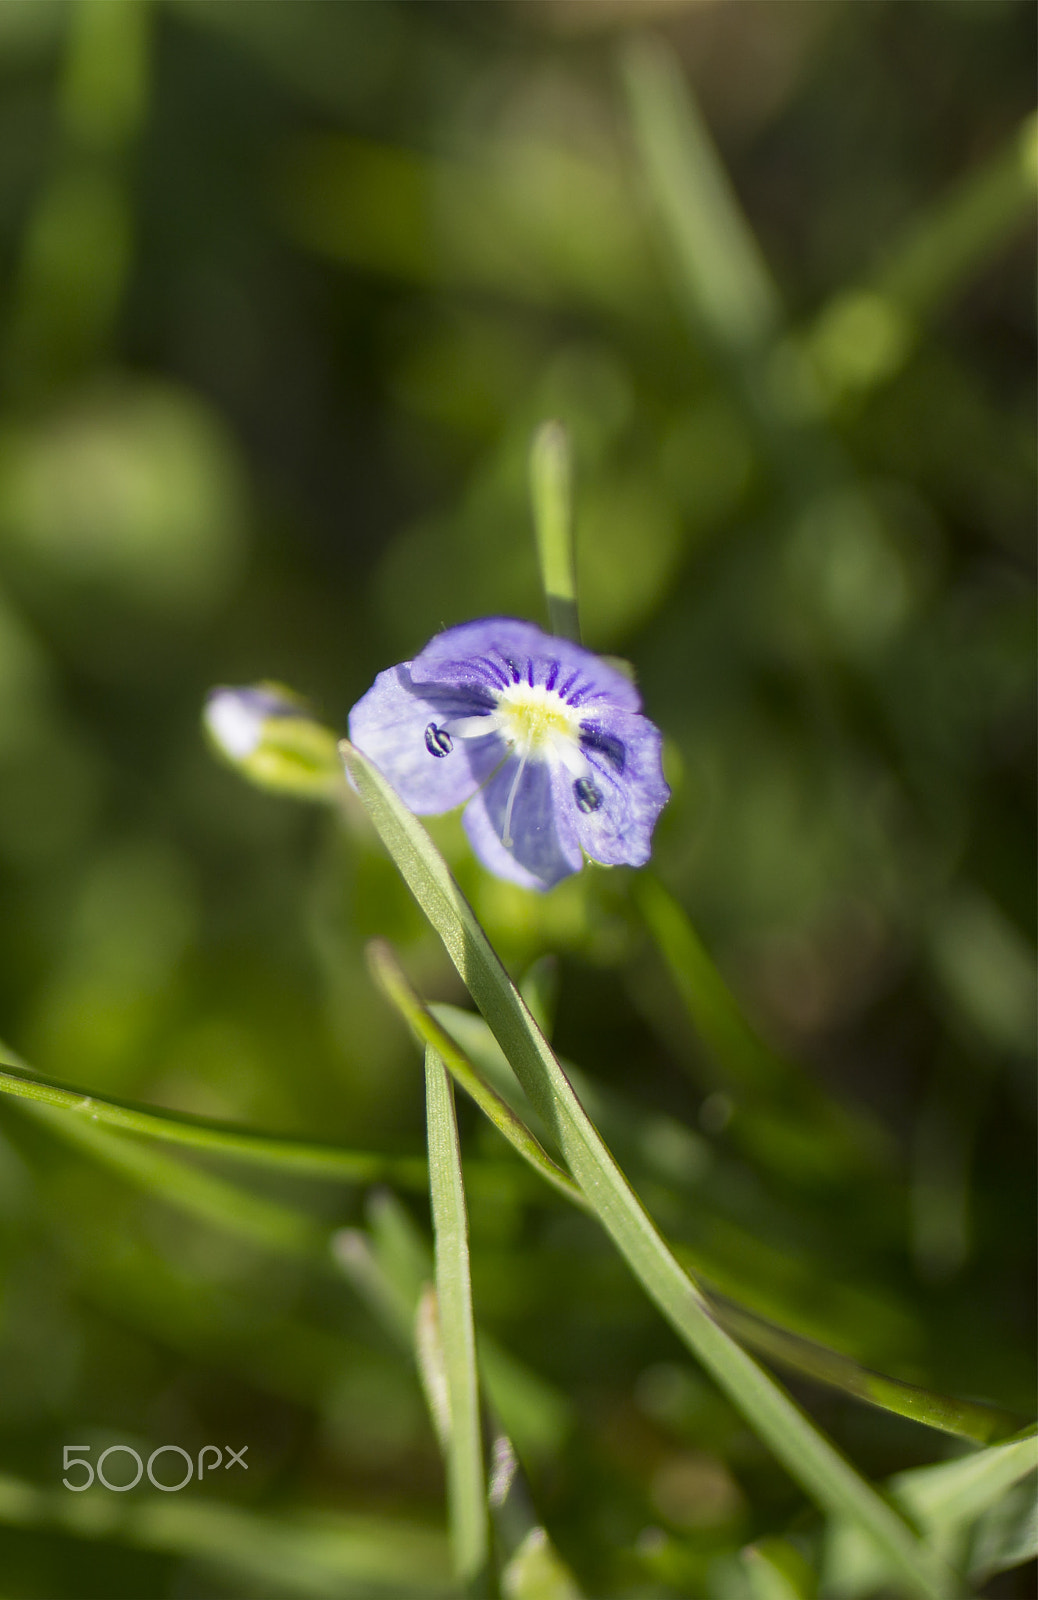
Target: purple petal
614,818
389,725
486,656
544,845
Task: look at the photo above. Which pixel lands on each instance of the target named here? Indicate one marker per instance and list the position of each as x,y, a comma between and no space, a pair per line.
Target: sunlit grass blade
536,1572
466,1490
966,1419
319,1554
810,1457
775,1570
311,1157
427,1030
551,487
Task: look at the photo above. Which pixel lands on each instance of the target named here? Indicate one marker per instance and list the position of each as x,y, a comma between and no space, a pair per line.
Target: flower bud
267,734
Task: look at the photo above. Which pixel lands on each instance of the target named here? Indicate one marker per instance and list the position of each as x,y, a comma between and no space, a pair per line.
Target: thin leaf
268,1223
465,1486
312,1157
810,1457
967,1419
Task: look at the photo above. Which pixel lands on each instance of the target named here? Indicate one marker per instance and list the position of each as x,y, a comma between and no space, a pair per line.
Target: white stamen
506,832
472,727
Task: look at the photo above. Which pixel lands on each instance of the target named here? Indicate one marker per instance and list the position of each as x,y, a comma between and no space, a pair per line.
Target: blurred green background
286,287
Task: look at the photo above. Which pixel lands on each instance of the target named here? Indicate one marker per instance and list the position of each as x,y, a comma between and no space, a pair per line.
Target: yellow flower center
533,718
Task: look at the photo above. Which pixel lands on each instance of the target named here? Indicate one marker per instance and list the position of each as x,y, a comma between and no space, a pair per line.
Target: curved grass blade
466,1493
967,1419
311,1157
427,1030
812,1460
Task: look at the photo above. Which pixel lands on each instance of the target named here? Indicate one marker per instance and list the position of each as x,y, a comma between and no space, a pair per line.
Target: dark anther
438,741
587,796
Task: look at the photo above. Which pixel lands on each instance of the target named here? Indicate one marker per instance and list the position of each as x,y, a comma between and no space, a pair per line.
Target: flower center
534,718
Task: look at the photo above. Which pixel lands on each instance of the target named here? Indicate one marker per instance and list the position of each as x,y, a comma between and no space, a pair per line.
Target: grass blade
319,1554
270,1224
466,1490
722,270
311,1157
807,1454
958,1491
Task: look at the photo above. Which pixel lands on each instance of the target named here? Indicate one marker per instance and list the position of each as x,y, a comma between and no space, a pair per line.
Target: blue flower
545,741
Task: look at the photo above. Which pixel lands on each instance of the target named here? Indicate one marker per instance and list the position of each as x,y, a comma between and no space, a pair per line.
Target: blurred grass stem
551,488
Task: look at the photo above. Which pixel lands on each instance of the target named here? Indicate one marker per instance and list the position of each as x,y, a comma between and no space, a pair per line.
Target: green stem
465,1479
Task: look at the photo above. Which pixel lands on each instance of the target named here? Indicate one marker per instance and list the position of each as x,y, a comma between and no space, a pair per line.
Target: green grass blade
551,490
810,1458
958,1491
466,1489
744,1063
268,1223
311,1157
320,1554
739,1057
390,1271
967,1419
427,1030
722,270
866,333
